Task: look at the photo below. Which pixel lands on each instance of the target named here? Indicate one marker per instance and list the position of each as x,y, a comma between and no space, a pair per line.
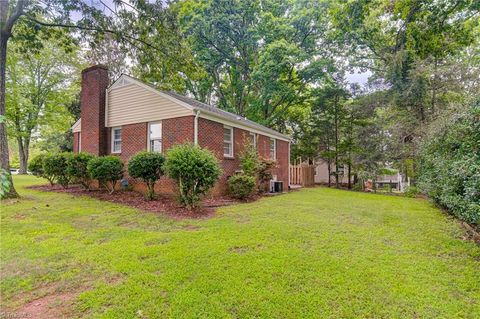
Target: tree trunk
349,176
336,142
329,173
23,154
4,154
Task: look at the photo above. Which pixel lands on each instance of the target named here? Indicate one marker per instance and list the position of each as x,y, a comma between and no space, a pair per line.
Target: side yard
319,252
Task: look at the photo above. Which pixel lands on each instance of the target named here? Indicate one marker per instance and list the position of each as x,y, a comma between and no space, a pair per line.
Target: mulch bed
164,204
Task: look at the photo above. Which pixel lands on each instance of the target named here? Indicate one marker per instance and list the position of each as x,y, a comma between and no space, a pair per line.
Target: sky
358,77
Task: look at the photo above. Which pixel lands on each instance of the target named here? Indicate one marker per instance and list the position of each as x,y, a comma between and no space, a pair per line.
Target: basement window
116,139
273,149
228,141
155,137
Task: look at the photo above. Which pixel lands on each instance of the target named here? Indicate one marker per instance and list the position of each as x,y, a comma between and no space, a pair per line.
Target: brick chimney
92,107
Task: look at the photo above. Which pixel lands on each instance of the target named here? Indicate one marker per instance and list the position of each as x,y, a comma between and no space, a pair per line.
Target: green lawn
314,253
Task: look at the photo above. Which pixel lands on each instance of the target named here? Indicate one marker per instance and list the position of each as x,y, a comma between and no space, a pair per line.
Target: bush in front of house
35,166
264,172
77,169
241,186
107,170
195,171
55,167
148,167
249,160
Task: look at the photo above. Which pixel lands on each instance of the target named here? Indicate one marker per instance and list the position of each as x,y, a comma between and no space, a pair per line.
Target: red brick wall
177,131
210,136
92,105
134,139
76,135
282,163
281,170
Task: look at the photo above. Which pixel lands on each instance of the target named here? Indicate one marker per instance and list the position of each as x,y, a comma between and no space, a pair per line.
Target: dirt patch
163,204
471,232
48,307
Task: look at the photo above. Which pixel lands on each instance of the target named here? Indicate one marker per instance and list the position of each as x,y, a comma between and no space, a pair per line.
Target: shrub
357,187
264,172
241,186
249,161
107,170
411,191
77,169
55,166
147,166
35,166
194,169
450,163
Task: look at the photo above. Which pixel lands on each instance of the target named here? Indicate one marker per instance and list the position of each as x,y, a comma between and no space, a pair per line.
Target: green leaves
107,170
450,164
77,168
147,166
241,186
195,170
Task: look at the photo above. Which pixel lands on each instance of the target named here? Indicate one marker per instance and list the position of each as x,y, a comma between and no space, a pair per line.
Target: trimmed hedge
35,166
195,171
241,186
148,167
77,169
55,166
107,170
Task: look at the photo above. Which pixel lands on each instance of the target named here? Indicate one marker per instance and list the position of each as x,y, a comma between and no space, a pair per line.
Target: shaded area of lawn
313,253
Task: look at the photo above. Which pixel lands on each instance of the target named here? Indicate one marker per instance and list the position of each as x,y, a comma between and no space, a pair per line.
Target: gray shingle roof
223,114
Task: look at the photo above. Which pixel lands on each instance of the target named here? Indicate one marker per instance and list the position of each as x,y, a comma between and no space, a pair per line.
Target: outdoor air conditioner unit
276,186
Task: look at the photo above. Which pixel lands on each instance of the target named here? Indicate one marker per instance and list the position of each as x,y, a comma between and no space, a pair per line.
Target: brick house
130,116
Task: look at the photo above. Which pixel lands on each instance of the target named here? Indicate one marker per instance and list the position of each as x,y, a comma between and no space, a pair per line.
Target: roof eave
272,132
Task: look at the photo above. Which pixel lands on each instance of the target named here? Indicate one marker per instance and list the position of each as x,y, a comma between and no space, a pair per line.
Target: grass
315,253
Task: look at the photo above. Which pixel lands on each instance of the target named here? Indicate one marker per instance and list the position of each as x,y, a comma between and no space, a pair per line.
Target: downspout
195,128
288,188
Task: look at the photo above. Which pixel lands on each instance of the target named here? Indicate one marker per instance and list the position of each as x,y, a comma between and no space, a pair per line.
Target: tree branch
86,28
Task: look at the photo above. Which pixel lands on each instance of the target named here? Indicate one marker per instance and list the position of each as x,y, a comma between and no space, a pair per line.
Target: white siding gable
130,101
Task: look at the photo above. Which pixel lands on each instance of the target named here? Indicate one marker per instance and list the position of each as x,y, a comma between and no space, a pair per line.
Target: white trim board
248,128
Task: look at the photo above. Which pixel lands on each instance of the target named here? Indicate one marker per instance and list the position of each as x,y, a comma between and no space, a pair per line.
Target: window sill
228,157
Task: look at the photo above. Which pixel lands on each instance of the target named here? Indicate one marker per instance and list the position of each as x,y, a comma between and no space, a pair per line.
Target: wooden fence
302,174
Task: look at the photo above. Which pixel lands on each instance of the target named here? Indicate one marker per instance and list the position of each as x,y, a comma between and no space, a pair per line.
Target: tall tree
260,56
94,19
39,85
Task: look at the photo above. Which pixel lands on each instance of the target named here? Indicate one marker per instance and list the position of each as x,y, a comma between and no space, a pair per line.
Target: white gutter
242,125
195,128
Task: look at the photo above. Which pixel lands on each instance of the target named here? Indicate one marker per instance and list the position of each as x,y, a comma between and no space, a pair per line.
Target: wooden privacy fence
302,174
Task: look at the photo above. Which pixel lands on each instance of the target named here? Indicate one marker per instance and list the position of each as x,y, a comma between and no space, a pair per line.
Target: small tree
147,166
194,169
36,167
107,170
249,160
55,166
241,185
77,169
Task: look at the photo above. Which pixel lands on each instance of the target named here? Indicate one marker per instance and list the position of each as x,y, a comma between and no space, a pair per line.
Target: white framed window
273,149
228,141
253,140
155,137
116,139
